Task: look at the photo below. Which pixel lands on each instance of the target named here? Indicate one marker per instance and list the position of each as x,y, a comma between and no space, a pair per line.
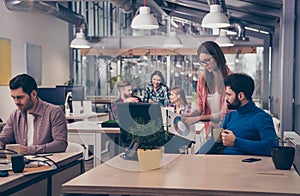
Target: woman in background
212,106
157,91
178,101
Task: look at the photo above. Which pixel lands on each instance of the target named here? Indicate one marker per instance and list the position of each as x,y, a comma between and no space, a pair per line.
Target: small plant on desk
149,135
283,156
150,138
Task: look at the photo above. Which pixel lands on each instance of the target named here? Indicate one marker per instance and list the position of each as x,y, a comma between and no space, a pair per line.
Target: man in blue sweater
248,130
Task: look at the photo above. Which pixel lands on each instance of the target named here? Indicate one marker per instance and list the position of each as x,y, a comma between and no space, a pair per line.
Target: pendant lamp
144,20
215,18
172,41
79,41
223,40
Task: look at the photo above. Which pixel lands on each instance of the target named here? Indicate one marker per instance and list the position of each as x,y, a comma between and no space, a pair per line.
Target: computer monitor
131,114
77,91
55,96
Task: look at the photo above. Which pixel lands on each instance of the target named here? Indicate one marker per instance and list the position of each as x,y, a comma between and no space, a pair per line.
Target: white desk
188,175
89,133
89,117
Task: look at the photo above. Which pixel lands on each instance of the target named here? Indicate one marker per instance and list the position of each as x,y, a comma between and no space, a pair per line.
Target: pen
43,155
273,174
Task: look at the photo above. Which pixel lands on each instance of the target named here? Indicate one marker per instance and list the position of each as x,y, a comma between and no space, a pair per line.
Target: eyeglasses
206,61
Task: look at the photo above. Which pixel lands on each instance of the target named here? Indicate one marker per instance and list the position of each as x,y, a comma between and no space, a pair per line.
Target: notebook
214,145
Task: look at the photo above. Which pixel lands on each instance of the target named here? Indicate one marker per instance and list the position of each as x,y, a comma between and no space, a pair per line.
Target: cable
43,161
9,151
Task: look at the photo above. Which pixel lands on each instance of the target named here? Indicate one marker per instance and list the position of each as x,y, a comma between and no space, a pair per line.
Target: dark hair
213,49
159,74
123,83
25,81
240,82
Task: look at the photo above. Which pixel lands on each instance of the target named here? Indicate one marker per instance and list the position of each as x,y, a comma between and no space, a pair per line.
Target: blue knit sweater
254,131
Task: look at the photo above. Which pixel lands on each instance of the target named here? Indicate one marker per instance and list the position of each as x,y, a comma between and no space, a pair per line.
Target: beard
27,106
127,96
235,105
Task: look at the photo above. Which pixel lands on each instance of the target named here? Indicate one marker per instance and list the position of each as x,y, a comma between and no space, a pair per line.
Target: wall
297,73
46,31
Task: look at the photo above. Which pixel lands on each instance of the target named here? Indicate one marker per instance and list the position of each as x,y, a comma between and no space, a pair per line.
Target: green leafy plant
70,82
112,81
194,97
148,135
282,141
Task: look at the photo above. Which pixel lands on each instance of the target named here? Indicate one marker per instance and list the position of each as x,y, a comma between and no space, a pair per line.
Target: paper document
87,107
5,166
179,127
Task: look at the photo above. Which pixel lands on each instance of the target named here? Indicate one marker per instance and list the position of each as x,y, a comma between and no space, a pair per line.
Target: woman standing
157,91
178,101
212,106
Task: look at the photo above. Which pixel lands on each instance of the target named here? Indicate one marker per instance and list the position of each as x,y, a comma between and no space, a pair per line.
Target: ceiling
258,14
262,15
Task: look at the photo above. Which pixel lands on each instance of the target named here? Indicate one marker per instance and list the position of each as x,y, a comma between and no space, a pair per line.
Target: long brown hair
213,49
180,91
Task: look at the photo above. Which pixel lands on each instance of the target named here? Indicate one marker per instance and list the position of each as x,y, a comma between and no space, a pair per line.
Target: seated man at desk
125,95
39,127
248,130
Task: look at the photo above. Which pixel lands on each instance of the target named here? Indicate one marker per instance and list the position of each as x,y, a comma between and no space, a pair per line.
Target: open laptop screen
132,114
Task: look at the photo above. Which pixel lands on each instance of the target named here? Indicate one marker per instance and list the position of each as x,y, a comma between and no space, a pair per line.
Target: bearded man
125,95
248,130
38,126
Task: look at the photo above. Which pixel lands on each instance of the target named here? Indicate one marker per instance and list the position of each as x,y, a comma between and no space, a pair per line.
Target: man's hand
228,138
150,101
132,100
23,150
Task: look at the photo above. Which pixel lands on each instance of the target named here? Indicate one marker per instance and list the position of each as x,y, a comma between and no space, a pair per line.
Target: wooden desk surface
61,159
188,175
85,116
90,126
101,99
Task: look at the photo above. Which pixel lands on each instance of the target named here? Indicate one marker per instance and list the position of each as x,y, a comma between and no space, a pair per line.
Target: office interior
264,34
271,28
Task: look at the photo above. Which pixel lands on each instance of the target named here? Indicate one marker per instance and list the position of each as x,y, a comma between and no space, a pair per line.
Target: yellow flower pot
150,159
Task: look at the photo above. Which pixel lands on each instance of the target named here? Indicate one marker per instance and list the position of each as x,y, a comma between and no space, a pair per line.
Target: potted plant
112,81
282,155
150,139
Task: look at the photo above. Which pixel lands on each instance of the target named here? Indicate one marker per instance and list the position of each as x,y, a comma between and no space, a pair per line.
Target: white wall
47,31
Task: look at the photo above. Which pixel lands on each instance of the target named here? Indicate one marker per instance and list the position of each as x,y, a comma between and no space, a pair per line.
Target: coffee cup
14,147
18,163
